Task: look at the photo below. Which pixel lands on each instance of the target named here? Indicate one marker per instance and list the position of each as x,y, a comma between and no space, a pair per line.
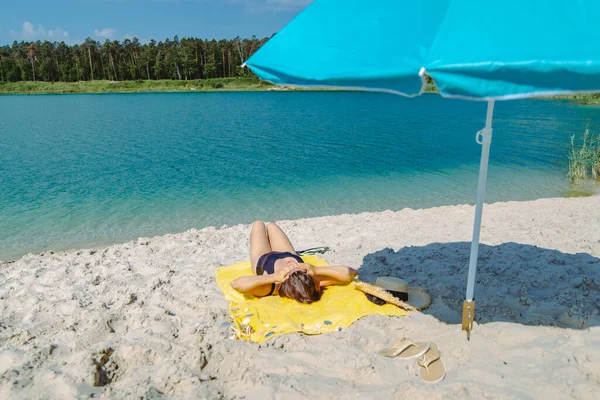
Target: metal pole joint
484,136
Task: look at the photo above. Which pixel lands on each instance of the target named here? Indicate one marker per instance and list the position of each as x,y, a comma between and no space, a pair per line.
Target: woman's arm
255,285
260,285
331,275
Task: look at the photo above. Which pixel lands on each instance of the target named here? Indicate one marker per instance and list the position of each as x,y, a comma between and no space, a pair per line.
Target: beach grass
590,98
581,98
150,86
138,86
584,157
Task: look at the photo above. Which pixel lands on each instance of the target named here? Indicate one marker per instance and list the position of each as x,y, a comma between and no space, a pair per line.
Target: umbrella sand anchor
484,138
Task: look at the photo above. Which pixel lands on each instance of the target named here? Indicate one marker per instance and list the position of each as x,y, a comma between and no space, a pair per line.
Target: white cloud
30,32
107,33
29,29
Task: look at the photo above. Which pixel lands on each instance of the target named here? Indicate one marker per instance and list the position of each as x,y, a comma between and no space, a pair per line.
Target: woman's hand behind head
284,273
308,268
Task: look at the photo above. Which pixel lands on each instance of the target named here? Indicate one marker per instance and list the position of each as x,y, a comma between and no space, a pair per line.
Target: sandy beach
145,319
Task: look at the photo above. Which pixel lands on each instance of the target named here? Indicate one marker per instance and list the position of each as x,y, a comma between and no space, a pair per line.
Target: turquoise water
88,170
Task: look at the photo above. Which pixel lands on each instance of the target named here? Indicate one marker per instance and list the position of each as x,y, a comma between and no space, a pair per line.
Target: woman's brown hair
301,287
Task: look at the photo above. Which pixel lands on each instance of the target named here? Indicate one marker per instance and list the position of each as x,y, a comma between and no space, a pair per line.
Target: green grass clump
584,160
137,86
590,98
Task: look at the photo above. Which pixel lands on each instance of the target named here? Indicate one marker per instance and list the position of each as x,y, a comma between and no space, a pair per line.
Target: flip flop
313,250
431,366
405,349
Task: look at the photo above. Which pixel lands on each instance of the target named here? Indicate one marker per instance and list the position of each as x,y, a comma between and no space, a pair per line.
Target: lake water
88,170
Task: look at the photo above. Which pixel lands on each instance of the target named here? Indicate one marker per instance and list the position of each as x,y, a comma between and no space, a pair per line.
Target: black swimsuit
266,264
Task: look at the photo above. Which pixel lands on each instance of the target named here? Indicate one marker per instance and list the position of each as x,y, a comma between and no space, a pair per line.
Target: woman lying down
278,270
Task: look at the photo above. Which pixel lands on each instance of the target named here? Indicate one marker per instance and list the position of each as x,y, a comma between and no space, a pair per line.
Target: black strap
272,289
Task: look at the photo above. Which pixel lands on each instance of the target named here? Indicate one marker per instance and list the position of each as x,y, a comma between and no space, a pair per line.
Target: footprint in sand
588,363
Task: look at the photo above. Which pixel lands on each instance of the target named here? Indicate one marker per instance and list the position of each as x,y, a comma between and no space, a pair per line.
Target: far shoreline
138,86
215,85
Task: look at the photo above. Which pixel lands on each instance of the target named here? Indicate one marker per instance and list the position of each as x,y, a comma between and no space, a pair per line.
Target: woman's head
301,287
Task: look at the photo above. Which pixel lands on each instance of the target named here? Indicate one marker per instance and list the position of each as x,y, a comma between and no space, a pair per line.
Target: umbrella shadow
514,282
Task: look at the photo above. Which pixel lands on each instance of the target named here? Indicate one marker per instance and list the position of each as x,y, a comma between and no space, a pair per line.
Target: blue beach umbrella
473,49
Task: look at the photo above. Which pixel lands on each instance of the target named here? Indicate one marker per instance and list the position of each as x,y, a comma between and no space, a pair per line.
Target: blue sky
74,20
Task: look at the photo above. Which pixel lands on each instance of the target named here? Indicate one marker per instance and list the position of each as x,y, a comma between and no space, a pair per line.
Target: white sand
155,303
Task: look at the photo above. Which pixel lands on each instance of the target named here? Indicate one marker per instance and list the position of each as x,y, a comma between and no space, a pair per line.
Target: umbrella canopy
472,49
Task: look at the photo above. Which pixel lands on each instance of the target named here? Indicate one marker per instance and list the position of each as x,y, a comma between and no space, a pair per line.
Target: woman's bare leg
259,242
278,239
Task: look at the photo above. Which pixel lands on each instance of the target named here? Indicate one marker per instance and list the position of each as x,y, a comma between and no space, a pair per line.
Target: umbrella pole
484,138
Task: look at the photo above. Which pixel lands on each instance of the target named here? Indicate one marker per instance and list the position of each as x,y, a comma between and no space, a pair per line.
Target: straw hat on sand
395,291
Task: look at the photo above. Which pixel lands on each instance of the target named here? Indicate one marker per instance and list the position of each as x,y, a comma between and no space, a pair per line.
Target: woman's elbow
236,285
352,274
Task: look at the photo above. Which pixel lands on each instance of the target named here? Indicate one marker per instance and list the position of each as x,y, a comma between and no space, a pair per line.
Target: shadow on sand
514,282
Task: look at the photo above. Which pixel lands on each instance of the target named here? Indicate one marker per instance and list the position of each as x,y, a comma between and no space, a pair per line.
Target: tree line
179,59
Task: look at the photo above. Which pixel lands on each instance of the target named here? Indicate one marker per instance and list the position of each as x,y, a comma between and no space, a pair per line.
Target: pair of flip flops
431,366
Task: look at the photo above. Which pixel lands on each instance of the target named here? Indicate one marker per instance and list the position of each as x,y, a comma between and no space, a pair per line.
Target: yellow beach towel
260,319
